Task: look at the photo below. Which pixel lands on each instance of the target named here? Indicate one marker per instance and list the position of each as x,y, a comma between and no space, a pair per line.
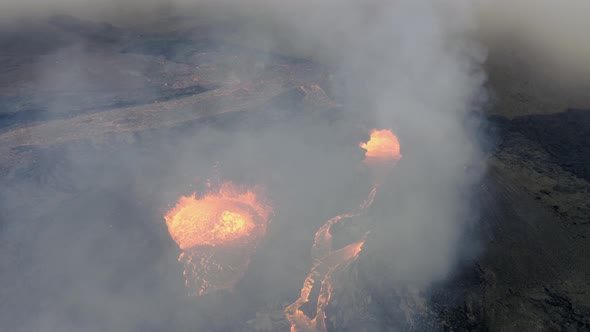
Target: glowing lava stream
325,262
381,149
217,234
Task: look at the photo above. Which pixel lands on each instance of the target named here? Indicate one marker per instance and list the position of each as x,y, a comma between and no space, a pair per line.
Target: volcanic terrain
99,129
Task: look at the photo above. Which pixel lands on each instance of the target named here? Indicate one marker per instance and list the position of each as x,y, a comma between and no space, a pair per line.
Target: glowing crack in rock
217,233
382,149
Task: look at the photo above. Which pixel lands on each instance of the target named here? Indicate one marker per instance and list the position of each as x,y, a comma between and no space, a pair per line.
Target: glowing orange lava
217,233
382,146
326,262
382,152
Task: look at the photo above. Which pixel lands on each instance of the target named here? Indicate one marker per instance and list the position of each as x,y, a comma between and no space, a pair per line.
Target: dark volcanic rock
35,37
566,136
531,275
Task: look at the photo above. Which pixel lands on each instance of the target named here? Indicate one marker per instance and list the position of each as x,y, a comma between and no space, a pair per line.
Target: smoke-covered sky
90,244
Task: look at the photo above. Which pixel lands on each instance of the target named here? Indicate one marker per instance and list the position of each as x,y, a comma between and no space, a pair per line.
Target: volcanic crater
96,167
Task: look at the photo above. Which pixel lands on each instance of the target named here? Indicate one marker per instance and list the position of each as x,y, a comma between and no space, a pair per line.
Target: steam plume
414,66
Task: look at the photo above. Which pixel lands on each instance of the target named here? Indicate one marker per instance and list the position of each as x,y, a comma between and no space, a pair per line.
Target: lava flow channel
382,149
326,261
217,233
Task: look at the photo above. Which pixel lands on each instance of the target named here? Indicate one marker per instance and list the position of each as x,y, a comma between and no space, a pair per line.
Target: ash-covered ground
97,145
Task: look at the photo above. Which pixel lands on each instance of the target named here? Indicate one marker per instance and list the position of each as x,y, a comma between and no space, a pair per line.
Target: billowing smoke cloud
99,10
410,65
553,34
553,31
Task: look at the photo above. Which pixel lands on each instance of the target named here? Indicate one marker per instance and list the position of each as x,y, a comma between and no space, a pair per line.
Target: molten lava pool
218,233
383,146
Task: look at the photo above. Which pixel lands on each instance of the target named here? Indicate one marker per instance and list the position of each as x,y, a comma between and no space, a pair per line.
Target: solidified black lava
565,135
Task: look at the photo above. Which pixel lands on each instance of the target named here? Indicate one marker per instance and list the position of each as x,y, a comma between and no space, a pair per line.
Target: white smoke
415,66
551,30
408,65
553,33
411,66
